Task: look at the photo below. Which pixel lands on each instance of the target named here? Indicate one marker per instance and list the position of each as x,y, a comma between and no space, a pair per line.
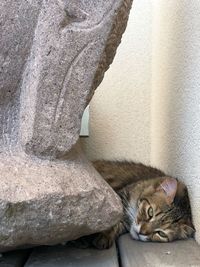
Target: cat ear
169,187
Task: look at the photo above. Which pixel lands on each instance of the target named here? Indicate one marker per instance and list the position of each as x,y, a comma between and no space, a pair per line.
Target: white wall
148,106
120,108
175,136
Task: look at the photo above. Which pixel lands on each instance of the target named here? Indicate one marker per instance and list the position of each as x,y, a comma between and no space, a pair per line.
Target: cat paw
102,242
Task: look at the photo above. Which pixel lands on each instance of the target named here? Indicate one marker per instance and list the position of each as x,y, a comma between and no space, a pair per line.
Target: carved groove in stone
61,97
72,19
78,26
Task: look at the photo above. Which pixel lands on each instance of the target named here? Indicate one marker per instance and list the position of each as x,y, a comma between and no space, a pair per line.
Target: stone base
47,202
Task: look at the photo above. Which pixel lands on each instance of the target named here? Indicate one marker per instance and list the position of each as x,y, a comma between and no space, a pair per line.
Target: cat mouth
143,238
135,232
139,237
136,236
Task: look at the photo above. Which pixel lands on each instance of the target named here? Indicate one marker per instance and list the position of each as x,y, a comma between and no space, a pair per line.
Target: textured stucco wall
175,137
148,106
120,108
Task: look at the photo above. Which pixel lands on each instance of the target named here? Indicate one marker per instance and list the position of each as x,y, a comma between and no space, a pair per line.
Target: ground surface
126,253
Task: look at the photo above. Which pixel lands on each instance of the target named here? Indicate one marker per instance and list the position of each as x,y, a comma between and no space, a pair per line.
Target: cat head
161,212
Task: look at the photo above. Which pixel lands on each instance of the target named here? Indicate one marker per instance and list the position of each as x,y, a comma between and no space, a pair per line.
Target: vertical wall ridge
175,135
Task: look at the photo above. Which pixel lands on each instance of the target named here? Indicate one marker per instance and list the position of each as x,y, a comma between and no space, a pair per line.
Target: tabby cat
156,206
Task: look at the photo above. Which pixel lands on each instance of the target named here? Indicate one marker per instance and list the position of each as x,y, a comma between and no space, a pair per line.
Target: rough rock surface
53,54
47,202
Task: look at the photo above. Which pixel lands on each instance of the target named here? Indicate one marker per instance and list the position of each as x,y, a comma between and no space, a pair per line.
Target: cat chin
134,235
134,231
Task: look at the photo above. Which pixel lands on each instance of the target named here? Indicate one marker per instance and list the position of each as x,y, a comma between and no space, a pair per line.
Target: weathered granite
47,202
53,54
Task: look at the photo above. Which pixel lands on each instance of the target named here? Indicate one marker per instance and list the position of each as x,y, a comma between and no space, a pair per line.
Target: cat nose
143,230
138,220
140,232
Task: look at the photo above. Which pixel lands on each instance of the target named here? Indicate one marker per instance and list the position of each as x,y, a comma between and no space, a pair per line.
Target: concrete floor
130,253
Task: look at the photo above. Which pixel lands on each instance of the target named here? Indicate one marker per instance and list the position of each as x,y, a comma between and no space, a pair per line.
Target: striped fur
156,206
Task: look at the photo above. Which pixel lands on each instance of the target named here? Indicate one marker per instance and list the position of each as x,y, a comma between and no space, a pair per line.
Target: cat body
155,206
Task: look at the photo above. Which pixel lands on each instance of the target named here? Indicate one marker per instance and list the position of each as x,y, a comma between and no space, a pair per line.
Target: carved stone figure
53,55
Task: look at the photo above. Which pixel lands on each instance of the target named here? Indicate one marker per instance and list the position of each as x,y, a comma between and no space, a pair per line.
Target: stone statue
53,55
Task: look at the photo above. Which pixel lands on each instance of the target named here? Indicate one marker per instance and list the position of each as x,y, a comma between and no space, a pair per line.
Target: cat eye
150,212
162,234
